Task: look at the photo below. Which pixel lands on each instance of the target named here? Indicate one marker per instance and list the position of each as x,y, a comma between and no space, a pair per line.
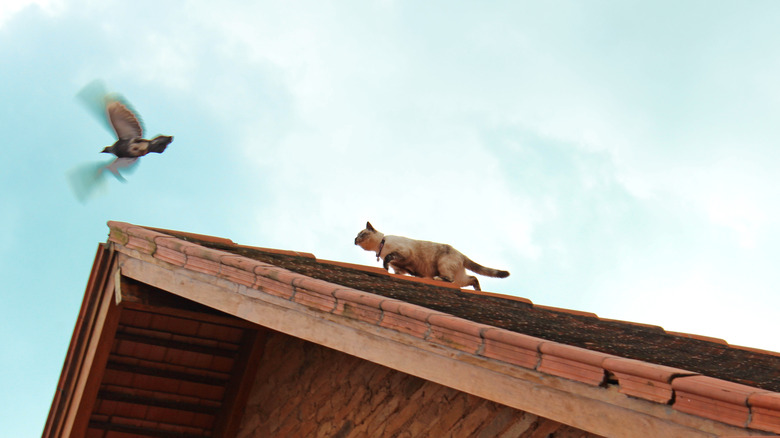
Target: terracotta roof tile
202,259
315,300
644,380
237,275
456,333
405,318
358,305
174,243
404,324
359,297
511,347
273,287
313,284
202,252
765,410
118,232
713,398
242,263
170,256
142,245
275,273
573,363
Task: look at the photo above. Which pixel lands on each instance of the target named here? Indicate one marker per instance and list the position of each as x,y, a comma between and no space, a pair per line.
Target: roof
701,355
673,381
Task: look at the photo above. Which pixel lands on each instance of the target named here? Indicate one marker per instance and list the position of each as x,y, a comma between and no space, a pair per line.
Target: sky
617,157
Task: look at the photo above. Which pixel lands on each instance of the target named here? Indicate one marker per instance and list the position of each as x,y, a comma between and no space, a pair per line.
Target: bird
118,116
130,144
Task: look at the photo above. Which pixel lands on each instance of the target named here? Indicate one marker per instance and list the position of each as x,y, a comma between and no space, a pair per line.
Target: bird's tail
159,143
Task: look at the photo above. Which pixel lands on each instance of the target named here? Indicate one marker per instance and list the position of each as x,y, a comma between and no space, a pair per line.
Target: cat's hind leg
448,270
464,280
470,280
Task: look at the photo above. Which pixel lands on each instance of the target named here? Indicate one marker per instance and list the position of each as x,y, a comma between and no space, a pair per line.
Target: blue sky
617,157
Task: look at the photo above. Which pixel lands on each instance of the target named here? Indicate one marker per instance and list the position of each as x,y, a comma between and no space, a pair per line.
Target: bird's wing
123,120
88,180
120,163
94,96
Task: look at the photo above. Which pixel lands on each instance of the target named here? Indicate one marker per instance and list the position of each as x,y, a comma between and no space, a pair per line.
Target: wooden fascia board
603,411
74,357
89,348
94,367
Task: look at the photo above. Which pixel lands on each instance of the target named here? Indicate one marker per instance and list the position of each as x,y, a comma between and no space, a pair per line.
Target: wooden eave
142,363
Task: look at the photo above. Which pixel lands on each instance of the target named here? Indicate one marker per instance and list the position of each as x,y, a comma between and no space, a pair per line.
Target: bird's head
107,150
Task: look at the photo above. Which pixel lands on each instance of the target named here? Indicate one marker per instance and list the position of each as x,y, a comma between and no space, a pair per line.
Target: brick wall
306,390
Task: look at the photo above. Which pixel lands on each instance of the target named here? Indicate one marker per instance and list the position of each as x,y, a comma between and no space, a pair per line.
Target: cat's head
366,238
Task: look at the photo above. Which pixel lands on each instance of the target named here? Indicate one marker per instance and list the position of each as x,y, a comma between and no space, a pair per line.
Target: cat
425,259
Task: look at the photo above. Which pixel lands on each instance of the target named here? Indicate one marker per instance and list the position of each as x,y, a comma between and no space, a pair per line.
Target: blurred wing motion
111,109
122,163
88,180
94,96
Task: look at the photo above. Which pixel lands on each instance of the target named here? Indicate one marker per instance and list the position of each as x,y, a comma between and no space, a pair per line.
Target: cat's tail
479,269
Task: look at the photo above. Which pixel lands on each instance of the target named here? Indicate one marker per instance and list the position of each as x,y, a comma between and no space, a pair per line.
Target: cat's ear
369,227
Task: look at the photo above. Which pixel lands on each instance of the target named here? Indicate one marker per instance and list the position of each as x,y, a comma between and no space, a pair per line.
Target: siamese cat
423,259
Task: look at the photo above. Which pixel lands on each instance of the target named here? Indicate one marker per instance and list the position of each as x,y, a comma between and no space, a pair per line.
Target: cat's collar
381,245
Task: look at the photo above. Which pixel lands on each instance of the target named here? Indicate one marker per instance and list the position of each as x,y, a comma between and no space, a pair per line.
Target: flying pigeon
130,144
118,117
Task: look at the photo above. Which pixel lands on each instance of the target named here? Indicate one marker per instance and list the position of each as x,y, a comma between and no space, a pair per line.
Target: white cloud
9,8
